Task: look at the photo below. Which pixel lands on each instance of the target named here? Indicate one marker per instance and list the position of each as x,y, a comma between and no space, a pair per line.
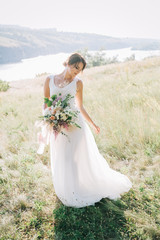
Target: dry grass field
124,100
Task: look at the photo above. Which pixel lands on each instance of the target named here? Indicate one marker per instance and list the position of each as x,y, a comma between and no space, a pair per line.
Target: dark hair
74,59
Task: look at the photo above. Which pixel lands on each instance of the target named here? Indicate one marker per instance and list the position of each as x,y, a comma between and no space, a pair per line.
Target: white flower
57,114
46,111
64,117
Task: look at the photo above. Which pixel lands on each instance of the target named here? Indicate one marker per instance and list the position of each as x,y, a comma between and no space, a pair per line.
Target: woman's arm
79,101
46,90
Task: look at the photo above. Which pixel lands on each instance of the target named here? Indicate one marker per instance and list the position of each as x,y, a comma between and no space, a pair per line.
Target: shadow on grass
104,221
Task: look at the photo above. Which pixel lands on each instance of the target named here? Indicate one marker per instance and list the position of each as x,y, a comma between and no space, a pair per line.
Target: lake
30,67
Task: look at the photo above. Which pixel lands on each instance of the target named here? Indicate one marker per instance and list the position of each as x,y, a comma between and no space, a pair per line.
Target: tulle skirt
81,176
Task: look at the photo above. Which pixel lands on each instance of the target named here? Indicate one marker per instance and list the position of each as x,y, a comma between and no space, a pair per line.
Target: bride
81,176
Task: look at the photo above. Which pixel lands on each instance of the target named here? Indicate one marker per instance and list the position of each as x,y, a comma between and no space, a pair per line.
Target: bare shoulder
79,84
47,79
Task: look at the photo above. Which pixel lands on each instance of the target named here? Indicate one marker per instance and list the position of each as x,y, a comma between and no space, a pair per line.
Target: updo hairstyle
74,59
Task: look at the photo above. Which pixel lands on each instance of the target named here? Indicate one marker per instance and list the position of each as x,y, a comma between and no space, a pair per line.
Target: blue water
29,68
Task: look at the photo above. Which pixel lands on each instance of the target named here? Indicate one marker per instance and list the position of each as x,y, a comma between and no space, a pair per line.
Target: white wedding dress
81,176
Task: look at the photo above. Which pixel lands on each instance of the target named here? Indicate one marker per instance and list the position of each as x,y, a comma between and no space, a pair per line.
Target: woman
81,176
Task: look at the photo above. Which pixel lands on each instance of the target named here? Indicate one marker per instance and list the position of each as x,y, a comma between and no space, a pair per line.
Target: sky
116,18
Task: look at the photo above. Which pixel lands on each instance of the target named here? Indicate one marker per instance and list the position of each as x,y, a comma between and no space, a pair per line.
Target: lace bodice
68,89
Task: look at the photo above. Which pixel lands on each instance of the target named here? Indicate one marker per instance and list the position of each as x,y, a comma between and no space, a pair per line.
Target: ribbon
43,137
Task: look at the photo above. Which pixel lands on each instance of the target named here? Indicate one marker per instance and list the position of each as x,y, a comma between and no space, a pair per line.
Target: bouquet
59,114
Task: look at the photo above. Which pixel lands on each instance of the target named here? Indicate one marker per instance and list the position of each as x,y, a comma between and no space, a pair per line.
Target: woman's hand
96,128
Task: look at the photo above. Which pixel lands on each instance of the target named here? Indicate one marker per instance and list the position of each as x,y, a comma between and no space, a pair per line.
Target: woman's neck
66,75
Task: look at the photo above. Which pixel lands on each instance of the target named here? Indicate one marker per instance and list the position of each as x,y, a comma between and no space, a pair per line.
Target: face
74,69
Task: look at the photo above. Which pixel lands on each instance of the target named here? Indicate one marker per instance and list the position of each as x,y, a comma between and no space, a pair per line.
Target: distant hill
17,42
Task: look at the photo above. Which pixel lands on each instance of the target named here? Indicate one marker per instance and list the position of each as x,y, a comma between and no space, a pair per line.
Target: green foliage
97,59
131,58
48,102
4,86
54,97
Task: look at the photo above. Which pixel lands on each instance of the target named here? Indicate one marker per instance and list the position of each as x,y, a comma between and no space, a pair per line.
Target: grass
124,100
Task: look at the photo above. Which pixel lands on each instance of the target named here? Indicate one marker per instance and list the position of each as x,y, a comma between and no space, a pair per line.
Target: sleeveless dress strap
51,82
76,80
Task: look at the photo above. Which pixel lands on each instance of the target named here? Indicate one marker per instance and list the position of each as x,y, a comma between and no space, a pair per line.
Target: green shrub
131,58
97,59
3,86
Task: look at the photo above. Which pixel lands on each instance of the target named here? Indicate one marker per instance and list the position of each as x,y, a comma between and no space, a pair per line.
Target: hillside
17,42
124,100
